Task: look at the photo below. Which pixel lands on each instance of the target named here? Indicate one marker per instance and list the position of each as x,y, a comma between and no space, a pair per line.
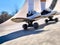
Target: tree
4,16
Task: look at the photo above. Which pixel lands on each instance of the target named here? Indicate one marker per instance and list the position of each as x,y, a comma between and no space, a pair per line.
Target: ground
45,35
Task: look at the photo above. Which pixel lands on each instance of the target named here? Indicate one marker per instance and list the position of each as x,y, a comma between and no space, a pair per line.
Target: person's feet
30,13
44,12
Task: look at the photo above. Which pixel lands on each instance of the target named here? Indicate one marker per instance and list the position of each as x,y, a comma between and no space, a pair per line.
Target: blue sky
10,5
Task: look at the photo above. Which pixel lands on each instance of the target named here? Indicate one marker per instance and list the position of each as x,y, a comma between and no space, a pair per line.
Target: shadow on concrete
43,25
21,33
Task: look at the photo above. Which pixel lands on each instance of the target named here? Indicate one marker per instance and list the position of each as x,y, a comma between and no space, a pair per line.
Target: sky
10,5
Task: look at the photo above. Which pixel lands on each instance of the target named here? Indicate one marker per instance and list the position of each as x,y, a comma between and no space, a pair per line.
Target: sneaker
30,13
44,12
